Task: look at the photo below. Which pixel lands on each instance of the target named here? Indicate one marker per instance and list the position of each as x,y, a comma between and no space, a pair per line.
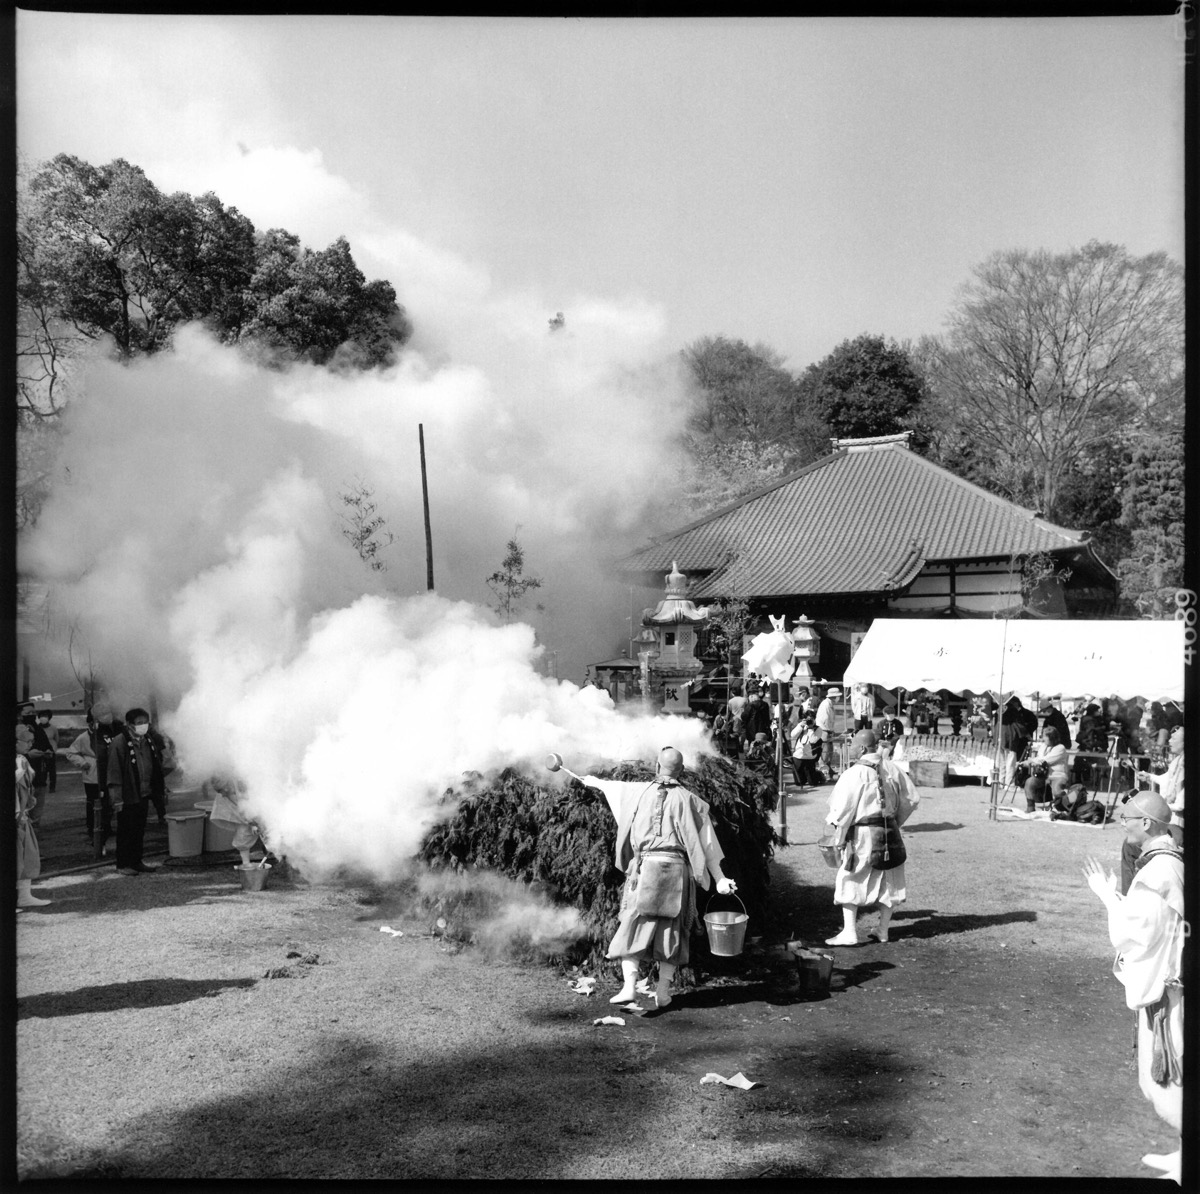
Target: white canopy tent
1142,659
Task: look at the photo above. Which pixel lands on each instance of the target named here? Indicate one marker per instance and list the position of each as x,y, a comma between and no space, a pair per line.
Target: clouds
793,181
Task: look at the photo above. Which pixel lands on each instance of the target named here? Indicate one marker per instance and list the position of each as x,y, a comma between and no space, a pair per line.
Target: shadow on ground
104,892
932,827
367,1111
927,922
112,997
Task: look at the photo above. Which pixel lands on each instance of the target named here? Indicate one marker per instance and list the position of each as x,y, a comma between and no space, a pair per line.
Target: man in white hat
1147,929
825,727
665,845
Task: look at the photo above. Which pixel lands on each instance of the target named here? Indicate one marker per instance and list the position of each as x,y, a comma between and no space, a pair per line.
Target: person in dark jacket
43,727
41,758
1092,737
134,778
107,727
1054,717
1017,727
756,719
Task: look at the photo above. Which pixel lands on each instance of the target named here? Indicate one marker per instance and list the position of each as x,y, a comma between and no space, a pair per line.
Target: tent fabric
1072,657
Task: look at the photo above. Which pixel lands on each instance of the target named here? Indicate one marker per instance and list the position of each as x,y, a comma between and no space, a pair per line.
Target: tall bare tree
1048,353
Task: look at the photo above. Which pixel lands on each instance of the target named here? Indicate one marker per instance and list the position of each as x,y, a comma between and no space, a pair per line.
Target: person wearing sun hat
1147,929
1053,716
825,727
867,806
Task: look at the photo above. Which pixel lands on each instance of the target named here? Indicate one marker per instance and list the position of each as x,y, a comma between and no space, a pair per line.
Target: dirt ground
987,1038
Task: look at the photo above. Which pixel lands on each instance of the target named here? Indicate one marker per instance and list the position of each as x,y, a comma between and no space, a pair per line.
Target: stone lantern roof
675,607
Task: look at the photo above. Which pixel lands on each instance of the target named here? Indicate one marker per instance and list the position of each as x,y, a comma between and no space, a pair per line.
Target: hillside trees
1049,355
1153,512
103,254
866,387
749,425
108,262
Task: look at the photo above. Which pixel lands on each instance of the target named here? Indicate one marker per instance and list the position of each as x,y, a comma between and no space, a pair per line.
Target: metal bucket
816,970
254,876
831,853
726,931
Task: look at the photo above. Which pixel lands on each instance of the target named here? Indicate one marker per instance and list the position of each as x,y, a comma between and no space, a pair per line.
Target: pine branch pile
561,839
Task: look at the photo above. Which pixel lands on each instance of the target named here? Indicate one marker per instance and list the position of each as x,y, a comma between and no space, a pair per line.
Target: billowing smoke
196,545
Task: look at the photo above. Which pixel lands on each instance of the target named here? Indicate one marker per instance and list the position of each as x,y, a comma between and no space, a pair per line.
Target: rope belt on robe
673,853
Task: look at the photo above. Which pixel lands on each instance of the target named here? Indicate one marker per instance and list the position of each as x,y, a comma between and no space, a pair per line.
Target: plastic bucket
726,931
185,834
217,838
253,877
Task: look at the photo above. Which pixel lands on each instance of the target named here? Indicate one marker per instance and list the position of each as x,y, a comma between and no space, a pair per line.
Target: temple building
876,530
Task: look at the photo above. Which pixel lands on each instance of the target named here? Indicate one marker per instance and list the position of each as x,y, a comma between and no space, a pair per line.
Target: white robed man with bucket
665,846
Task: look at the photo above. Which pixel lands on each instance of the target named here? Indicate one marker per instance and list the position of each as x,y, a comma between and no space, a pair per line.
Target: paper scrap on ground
739,1080
645,986
632,1007
584,986
609,1020
389,929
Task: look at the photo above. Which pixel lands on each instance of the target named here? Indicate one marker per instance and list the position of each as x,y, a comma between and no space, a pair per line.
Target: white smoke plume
195,545
499,916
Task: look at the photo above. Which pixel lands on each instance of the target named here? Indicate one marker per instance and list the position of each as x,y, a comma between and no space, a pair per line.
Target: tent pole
783,831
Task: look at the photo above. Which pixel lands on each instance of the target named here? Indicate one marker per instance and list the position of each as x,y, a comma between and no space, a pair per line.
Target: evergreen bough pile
563,839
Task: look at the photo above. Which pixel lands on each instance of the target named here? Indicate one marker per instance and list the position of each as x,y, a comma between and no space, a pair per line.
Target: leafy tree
363,526
106,259
110,255
1048,354
715,474
319,306
1090,495
509,582
729,620
866,387
1153,510
750,424
740,391
105,253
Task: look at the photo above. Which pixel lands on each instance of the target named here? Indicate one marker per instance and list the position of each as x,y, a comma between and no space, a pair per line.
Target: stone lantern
808,651
675,623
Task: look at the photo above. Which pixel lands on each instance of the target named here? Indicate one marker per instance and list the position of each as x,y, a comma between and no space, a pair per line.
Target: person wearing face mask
135,778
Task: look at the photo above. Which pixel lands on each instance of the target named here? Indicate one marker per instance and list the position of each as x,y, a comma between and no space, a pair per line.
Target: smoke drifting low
195,545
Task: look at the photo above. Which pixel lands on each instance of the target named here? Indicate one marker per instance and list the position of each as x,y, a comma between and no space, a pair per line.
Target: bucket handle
734,894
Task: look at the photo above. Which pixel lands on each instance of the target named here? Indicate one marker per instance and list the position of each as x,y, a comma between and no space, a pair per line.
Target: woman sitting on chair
1049,767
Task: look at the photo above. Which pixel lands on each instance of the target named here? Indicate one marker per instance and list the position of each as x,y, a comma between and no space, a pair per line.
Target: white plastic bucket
726,931
185,834
217,838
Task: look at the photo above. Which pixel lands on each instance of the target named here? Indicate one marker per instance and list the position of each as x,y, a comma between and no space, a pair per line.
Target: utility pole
425,501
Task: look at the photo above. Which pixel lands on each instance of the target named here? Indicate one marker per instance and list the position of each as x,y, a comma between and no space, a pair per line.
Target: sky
792,182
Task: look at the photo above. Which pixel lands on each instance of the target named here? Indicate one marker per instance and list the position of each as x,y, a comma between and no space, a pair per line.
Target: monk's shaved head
670,761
